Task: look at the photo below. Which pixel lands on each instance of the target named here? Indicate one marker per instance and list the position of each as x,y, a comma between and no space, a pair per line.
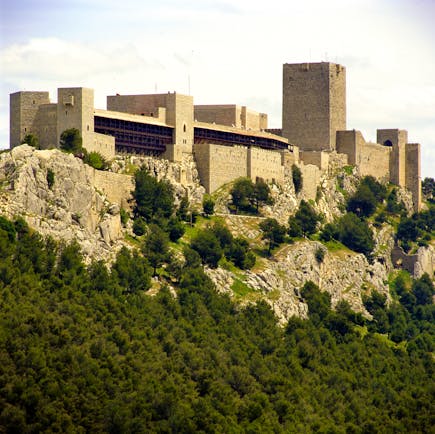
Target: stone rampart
265,164
225,114
24,108
219,164
231,115
337,161
103,144
374,160
314,104
396,140
417,264
115,186
252,120
317,158
413,173
147,105
310,180
350,142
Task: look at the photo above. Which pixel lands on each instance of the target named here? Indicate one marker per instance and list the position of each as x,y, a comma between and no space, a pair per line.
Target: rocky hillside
79,202
60,196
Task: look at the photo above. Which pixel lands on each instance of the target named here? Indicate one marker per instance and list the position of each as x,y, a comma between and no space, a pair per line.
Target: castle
228,141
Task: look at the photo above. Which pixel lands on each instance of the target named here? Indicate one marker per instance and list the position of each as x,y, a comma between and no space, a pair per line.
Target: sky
228,52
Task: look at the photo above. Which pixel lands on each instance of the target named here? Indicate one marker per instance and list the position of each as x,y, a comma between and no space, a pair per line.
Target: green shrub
125,216
31,140
353,232
304,221
71,141
50,178
320,254
95,160
273,232
208,205
175,229
297,178
139,226
208,247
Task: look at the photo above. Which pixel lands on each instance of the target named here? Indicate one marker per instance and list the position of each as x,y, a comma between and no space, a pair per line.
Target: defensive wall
417,264
231,115
392,159
228,141
115,186
220,164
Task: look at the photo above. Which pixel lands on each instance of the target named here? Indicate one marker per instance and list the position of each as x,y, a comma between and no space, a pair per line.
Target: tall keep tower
314,104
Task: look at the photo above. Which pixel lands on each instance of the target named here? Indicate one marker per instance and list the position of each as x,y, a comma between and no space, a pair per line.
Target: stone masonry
227,141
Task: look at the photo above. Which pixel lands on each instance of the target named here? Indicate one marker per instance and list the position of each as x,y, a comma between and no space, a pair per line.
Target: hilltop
87,205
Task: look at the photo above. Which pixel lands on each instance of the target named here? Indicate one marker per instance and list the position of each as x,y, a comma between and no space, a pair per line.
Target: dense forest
85,349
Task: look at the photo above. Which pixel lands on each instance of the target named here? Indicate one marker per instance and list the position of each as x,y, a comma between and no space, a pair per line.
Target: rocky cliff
57,195
344,274
62,197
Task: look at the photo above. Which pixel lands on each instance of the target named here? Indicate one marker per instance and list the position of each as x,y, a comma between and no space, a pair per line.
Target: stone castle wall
337,101
374,160
314,119
252,120
75,109
370,158
413,171
146,105
317,158
46,126
103,144
179,113
311,179
395,139
219,164
350,143
115,186
231,115
417,264
265,164
226,114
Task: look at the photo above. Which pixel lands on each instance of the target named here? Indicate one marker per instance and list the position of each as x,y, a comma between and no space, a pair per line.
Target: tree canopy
153,199
248,196
304,222
84,349
31,140
71,141
273,232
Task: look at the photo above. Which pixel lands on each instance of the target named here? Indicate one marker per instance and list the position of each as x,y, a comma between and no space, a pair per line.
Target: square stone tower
24,108
75,109
314,104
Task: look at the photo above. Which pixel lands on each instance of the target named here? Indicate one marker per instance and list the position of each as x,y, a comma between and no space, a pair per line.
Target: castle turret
314,104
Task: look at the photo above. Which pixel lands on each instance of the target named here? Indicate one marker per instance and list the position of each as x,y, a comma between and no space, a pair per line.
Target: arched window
184,128
388,143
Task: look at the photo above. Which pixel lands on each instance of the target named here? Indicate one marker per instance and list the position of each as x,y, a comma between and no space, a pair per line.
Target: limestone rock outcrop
183,176
345,275
57,195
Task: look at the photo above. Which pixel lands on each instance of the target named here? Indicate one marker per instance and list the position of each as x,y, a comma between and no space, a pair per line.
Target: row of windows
156,137
120,124
204,135
134,136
